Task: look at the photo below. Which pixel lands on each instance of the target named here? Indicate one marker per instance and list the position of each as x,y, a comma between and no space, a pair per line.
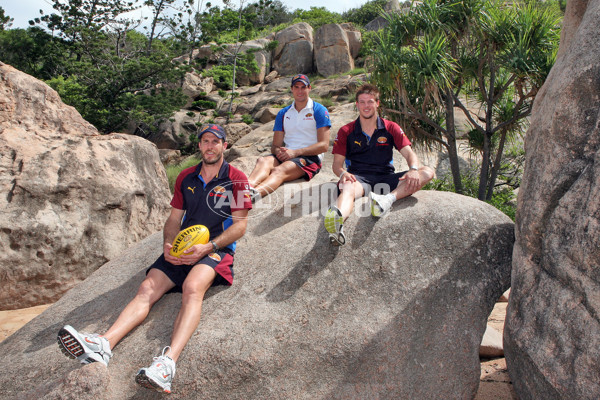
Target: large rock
294,52
194,86
552,332
399,312
72,199
332,50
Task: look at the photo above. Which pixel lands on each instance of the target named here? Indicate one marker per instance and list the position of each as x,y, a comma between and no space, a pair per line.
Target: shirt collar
309,104
222,171
358,128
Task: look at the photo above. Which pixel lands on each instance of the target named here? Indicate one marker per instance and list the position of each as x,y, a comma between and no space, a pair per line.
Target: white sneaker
159,375
380,204
85,347
334,224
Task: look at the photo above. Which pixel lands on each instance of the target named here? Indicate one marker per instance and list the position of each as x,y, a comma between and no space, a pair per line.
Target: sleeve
400,139
279,120
178,200
240,191
339,144
321,115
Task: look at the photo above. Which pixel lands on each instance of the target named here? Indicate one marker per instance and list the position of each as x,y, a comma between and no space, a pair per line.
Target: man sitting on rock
192,273
301,136
362,158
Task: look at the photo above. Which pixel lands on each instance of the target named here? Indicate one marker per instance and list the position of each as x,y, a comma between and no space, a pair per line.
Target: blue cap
301,78
217,130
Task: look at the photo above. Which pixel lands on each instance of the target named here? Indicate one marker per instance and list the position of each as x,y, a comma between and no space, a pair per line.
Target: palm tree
443,54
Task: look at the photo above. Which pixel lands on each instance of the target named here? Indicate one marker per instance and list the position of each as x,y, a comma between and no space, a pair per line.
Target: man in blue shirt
301,136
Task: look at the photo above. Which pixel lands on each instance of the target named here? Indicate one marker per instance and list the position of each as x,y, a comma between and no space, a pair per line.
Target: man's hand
347,177
412,180
195,253
286,154
168,257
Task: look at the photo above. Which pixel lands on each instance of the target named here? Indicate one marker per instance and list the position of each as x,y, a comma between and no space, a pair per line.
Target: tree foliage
486,58
5,20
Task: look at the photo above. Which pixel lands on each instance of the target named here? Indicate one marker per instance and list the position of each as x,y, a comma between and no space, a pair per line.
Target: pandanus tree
487,59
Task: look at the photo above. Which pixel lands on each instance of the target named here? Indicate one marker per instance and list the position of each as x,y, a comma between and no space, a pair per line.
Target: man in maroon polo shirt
214,194
363,159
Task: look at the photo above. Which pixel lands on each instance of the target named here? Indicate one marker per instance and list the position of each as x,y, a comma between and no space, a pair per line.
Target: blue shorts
378,184
311,165
221,262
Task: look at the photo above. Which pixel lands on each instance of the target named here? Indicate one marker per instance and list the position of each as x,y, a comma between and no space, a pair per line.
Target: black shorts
378,184
221,262
311,165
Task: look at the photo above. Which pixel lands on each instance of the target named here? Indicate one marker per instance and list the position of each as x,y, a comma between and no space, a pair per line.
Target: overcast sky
24,10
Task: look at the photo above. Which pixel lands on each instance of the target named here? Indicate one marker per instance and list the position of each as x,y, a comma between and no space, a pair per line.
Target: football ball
195,234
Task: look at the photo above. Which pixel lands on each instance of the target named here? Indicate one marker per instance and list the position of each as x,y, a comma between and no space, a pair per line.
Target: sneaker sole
331,221
145,381
69,345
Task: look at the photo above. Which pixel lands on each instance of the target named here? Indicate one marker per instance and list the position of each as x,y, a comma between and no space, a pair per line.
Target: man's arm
412,177
277,142
230,235
339,170
314,149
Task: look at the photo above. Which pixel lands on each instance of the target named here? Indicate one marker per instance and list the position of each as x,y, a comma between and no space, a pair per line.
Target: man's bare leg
262,169
348,194
426,174
285,172
150,291
198,281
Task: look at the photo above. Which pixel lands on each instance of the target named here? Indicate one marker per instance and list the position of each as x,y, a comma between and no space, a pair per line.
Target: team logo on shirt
215,256
303,162
382,140
218,191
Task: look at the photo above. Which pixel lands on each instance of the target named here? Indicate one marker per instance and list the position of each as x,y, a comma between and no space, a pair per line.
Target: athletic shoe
85,347
159,375
380,204
334,224
254,195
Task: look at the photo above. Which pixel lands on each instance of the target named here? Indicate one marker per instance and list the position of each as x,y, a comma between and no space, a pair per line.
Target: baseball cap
217,130
301,78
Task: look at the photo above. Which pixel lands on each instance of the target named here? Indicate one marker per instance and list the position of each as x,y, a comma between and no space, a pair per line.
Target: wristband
342,174
414,167
215,247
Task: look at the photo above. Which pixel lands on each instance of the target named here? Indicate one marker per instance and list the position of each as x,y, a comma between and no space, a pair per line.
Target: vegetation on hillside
485,58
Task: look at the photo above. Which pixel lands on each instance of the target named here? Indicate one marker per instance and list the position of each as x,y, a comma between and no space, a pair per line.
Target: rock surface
304,320
332,50
552,332
294,51
72,199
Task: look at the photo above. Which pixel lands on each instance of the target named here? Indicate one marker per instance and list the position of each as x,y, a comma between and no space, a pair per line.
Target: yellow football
195,234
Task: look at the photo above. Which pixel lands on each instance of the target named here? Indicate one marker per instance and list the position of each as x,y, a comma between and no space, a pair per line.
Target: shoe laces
163,361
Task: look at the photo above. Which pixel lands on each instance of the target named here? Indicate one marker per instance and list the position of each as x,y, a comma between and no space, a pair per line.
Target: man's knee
265,163
427,174
287,171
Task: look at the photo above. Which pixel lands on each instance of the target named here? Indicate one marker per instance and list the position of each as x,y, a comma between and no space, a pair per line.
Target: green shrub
247,119
503,198
204,104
